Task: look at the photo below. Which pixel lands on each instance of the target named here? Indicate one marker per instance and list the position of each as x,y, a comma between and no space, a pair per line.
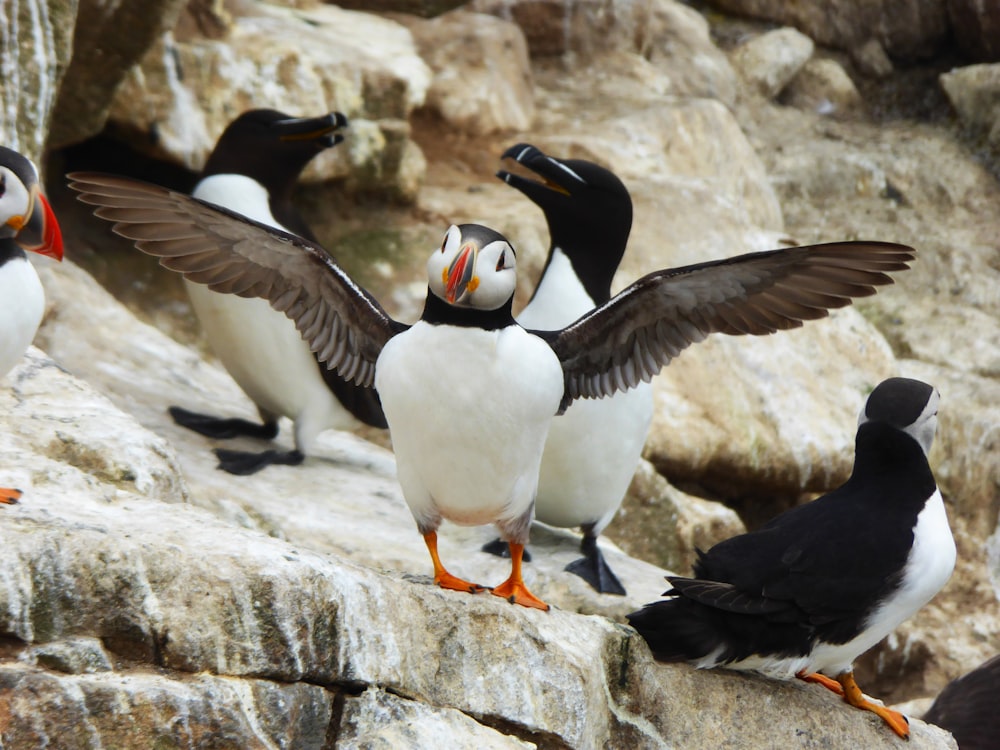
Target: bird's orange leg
853,695
9,496
821,679
513,589
442,577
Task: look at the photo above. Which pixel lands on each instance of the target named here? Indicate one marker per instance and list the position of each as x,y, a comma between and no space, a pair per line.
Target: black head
272,147
588,210
906,404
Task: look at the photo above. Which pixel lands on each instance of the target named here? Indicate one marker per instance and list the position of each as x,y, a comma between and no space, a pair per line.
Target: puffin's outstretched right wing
342,323
638,331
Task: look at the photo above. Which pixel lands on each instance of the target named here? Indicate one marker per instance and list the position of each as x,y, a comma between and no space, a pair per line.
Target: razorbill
253,170
468,394
814,588
592,450
26,223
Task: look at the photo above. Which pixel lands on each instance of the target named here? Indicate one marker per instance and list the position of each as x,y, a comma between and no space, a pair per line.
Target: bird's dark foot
594,569
9,496
500,548
220,428
243,463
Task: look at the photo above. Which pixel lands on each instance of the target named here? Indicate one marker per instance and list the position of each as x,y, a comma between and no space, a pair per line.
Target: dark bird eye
444,242
3,184
502,260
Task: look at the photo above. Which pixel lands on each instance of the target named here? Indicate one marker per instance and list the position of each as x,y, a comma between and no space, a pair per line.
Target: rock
176,103
141,709
254,638
871,59
770,61
678,160
824,87
660,524
976,26
670,37
907,30
72,656
377,720
34,63
796,396
482,75
974,92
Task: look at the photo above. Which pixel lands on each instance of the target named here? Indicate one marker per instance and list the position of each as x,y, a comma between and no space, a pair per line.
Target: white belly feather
468,412
592,450
22,302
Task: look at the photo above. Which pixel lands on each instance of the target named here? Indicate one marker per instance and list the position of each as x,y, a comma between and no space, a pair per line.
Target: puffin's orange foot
9,496
446,580
517,593
821,679
853,695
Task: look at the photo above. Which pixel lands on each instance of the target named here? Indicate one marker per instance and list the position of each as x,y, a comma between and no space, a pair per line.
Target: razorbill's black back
469,395
819,585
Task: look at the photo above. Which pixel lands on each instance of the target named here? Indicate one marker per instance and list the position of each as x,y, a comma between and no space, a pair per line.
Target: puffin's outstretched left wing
632,336
341,322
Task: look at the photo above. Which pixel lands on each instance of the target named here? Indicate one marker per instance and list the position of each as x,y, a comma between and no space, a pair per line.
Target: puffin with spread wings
469,394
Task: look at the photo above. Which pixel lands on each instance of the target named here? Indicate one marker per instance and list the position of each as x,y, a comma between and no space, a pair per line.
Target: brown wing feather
210,245
636,333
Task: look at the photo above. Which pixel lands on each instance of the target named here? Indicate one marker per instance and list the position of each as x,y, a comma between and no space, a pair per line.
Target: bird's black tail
678,629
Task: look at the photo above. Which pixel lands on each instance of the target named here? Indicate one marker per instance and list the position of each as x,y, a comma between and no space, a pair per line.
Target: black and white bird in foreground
253,170
814,588
469,395
26,224
969,708
592,450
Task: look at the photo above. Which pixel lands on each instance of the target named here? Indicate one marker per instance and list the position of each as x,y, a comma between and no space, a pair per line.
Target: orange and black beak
323,131
39,232
460,277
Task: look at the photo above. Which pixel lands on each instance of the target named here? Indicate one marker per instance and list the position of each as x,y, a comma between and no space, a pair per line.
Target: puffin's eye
502,260
3,184
444,242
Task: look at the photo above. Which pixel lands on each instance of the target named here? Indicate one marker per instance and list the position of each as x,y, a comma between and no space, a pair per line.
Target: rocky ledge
147,599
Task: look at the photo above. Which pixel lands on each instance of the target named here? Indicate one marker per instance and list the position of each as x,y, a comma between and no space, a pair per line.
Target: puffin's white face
475,268
16,202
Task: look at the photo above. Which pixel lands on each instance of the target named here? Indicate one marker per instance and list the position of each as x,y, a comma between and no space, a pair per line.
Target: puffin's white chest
928,568
468,412
22,302
259,346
